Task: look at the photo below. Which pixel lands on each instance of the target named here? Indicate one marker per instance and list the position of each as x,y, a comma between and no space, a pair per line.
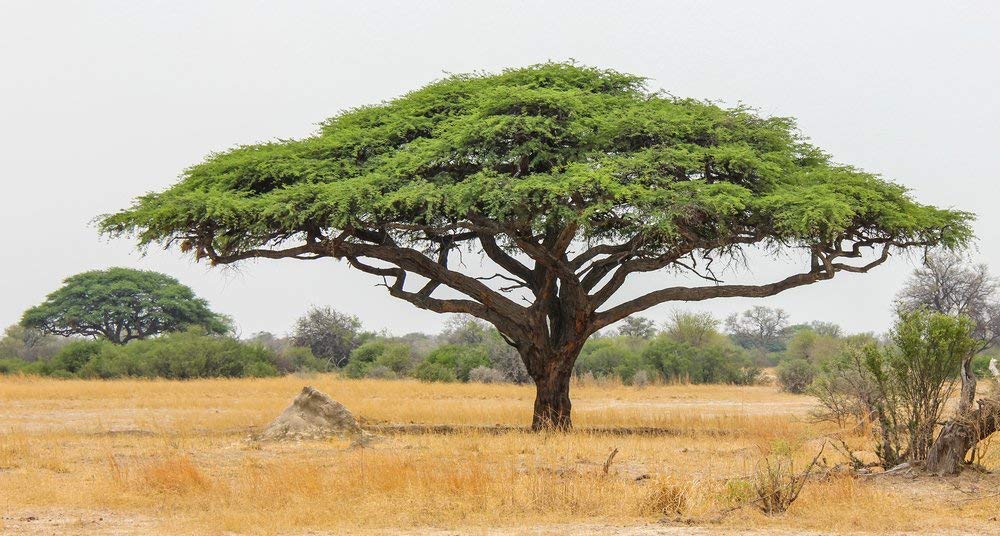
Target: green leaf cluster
542,146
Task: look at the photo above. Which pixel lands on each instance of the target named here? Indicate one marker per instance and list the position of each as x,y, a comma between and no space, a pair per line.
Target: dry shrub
170,473
678,499
776,483
271,482
14,449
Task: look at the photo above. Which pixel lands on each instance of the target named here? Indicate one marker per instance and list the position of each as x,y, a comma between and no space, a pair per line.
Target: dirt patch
69,521
451,429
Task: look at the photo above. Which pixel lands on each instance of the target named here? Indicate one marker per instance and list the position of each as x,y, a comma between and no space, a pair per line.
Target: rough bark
552,405
960,435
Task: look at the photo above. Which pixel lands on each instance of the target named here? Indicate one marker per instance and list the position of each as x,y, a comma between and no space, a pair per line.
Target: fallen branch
607,463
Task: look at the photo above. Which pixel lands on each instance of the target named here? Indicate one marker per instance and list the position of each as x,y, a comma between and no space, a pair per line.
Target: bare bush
777,485
381,372
642,378
486,375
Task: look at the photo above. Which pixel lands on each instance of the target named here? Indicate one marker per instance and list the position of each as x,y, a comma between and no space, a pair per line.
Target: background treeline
689,348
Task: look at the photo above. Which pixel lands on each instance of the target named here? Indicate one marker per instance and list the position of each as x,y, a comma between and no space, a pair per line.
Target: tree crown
552,143
583,170
122,304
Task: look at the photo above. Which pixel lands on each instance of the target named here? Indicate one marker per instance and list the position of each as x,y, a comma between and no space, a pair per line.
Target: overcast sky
104,101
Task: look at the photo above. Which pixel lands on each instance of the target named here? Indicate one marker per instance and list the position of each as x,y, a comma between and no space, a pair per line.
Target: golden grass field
168,457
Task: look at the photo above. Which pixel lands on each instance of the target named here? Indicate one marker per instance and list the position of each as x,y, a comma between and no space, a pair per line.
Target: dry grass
176,453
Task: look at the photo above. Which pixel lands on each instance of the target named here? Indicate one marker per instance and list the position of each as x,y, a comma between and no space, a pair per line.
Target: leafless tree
759,327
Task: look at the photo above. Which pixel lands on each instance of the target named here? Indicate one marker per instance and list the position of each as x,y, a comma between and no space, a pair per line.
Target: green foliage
179,355
434,372
759,328
11,365
928,349
814,347
796,375
121,304
464,329
27,344
981,364
548,143
460,358
394,356
695,329
75,355
690,349
300,359
679,361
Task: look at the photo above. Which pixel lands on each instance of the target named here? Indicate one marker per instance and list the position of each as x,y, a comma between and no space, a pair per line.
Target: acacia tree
120,305
569,179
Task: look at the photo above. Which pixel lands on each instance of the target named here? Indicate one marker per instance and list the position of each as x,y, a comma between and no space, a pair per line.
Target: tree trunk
962,434
552,404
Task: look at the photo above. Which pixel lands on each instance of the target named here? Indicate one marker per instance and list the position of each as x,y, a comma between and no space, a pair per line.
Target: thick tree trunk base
960,435
552,404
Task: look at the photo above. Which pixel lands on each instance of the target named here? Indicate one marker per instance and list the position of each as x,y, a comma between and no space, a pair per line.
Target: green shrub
184,355
434,372
716,363
394,356
259,369
11,366
459,358
75,355
357,369
299,359
796,375
609,356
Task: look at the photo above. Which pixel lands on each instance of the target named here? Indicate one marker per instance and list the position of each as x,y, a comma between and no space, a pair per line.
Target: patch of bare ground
39,521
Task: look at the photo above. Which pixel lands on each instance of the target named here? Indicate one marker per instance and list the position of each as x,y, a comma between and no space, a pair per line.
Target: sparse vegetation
130,452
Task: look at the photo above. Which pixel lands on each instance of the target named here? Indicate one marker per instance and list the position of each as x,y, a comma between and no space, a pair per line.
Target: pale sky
104,101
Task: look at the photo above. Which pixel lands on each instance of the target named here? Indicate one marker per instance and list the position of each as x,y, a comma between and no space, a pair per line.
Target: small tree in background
28,344
638,327
122,304
761,328
465,329
330,335
695,329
